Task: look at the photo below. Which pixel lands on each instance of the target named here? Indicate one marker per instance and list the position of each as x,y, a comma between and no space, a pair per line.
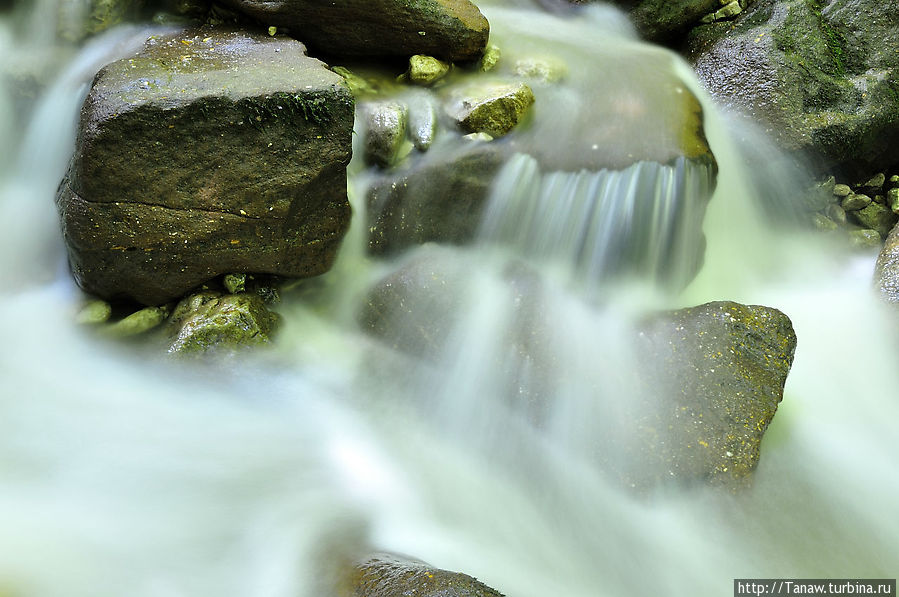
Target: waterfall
123,472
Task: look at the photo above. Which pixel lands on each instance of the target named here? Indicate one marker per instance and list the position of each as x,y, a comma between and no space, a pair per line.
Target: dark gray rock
209,152
821,76
438,200
453,30
387,575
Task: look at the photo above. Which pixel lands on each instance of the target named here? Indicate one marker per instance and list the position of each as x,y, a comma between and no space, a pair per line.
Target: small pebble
235,283
137,323
93,312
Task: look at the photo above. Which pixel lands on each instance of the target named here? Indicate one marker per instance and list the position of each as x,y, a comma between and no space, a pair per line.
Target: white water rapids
124,473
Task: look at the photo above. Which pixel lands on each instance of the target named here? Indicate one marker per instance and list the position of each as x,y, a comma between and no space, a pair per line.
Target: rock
713,376
422,121
426,70
453,30
208,152
137,323
386,575
494,109
886,271
394,307
875,182
359,86
439,200
721,368
892,200
876,217
543,70
855,202
841,190
235,283
94,312
385,132
824,222
894,181
865,239
490,58
819,76
212,322
79,19
836,213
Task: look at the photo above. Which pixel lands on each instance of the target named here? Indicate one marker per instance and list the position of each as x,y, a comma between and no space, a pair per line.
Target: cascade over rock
209,152
709,380
821,76
452,30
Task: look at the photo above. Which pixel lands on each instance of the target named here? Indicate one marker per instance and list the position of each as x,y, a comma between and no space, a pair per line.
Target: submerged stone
212,322
208,152
452,30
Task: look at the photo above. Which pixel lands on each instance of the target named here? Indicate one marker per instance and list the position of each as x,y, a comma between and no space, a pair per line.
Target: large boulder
209,152
448,29
720,370
386,575
821,76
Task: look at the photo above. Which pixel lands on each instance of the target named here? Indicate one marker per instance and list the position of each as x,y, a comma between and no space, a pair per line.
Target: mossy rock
821,77
214,322
886,271
494,108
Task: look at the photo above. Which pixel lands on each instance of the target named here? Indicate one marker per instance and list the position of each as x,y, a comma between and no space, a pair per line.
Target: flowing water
122,472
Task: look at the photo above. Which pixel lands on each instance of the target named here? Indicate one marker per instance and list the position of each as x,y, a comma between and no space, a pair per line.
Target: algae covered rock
453,30
211,321
209,152
820,76
426,70
494,108
386,575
